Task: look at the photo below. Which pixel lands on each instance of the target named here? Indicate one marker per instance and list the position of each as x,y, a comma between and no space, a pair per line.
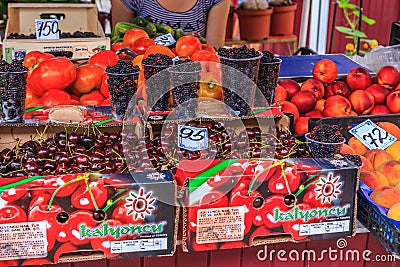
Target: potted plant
282,19
254,19
230,23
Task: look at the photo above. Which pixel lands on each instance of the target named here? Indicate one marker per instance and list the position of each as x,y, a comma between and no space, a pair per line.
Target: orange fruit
158,49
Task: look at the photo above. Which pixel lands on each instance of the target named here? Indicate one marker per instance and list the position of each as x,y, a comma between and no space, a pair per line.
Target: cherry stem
20,182
285,178
253,181
112,202
91,194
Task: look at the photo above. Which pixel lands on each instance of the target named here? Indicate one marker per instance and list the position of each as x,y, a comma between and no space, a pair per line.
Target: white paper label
150,244
220,225
47,29
192,138
165,40
23,240
324,228
372,135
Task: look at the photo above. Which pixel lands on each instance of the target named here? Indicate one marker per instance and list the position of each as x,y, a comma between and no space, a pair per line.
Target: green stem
302,188
58,190
285,178
112,202
20,182
91,194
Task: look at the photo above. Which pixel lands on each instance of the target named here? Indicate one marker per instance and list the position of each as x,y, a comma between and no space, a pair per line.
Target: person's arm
119,12
216,24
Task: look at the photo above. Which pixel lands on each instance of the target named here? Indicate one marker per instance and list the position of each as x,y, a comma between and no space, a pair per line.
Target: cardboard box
242,203
78,17
60,220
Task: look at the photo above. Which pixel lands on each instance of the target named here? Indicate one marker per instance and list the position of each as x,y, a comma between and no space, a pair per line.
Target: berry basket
373,217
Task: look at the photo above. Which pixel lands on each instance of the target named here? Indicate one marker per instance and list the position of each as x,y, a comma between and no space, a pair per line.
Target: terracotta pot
230,23
282,20
254,24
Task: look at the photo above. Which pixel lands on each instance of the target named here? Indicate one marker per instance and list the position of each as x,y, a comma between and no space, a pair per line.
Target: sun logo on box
139,205
328,188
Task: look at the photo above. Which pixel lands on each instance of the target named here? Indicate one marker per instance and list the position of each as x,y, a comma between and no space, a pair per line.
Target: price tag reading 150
372,135
47,29
192,138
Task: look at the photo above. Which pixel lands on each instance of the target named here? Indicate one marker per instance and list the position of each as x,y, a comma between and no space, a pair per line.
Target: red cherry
121,213
36,261
54,182
103,243
70,230
12,214
15,193
81,198
271,203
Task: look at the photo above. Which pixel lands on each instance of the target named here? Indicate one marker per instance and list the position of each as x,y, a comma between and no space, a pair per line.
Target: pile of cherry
65,152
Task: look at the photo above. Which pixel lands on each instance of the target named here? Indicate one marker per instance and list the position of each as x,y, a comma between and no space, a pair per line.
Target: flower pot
282,20
230,24
254,24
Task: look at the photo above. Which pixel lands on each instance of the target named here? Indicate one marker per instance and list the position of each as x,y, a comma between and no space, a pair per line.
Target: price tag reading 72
192,138
47,29
372,135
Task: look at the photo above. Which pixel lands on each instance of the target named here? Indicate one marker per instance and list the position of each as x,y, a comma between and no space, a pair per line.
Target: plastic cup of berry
320,149
184,81
13,93
157,88
268,75
239,92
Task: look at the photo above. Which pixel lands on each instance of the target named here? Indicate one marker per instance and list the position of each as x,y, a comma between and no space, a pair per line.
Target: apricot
394,150
386,196
390,128
366,164
394,212
377,157
358,147
373,179
346,149
391,169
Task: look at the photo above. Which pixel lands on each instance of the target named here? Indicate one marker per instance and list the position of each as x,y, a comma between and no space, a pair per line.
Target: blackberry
355,159
327,133
268,74
184,79
122,83
267,57
157,88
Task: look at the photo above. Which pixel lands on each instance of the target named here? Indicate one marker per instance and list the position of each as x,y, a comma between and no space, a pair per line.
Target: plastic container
268,75
123,87
323,149
158,87
387,56
239,92
13,93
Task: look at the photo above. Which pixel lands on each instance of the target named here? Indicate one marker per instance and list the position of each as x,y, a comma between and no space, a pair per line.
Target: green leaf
368,41
364,18
359,34
346,5
344,30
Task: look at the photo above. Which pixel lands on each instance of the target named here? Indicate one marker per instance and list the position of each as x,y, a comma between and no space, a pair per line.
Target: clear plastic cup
268,75
122,87
157,88
185,89
322,149
239,92
13,93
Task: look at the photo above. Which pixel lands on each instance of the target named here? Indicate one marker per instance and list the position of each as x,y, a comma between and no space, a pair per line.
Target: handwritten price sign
47,29
192,138
165,40
372,135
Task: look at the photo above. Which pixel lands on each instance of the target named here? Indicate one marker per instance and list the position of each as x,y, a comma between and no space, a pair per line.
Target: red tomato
117,46
106,102
104,86
55,97
94,98
53,73
88,77
187,45
204,55
104,58
132,35
140,45
33,58
208,48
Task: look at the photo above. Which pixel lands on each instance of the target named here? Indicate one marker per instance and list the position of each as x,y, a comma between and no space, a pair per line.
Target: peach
346,149
325,70
394,212
337,88
288,107
391,128
386,196
337,106
315,87
397,185
393,102
362,102
304,101
373,179
377,157
301,125
358,146
380,109
358,79
366,164
320,105
388,76
379,92
391,169
291,87
314,114
280,94
394,149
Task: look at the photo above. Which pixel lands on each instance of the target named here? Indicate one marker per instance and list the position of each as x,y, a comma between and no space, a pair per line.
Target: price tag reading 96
192,138
47,29
372,135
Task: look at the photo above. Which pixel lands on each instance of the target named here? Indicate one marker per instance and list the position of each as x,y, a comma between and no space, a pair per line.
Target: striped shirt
193,20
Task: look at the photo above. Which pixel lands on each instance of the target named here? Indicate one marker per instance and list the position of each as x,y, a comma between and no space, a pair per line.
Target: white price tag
165,40
47,29
192,138
372,135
